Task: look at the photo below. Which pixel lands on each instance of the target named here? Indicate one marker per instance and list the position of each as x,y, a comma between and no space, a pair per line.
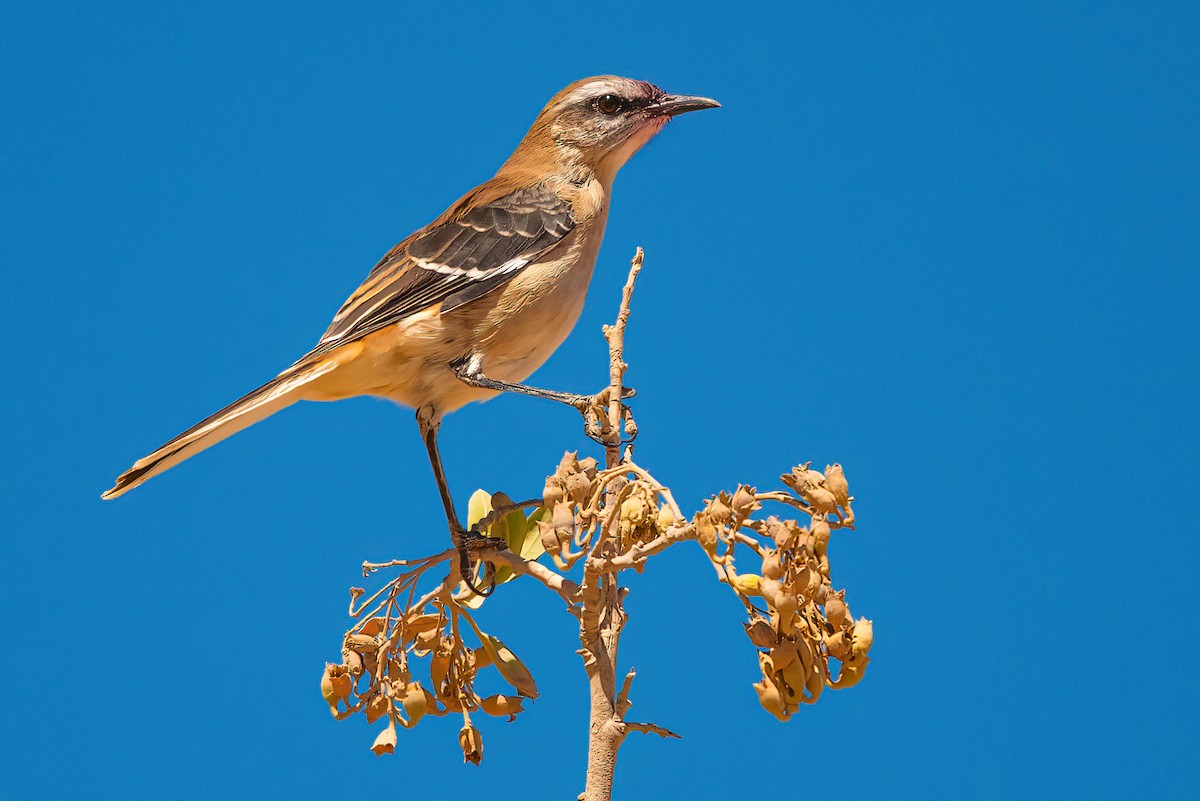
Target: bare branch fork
607,520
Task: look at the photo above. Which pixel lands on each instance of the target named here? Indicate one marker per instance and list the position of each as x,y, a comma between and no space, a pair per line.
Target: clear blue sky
953,246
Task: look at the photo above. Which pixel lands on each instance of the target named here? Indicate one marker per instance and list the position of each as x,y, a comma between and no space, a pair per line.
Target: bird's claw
596,424
465,542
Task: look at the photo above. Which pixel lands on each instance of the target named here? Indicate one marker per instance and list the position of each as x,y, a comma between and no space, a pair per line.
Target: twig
615,335
650,728
640,552
568,589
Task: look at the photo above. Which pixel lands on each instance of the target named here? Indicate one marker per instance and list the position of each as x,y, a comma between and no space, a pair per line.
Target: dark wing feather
453,262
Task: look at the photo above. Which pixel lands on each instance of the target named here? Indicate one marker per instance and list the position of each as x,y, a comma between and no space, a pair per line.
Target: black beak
673,105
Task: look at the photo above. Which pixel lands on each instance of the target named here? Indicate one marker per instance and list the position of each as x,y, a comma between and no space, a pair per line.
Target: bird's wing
471,250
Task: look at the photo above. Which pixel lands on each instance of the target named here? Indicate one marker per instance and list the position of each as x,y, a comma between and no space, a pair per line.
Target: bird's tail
278,393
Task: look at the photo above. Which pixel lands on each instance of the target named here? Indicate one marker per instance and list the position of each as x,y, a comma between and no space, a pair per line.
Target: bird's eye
609,104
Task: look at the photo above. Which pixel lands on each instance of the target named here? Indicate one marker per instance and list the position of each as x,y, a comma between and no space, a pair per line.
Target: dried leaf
511,668
506,662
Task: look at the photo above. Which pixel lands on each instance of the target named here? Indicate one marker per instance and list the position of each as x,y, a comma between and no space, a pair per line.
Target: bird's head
598,123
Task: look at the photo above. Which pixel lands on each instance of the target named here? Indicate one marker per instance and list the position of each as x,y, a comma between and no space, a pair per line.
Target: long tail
272,396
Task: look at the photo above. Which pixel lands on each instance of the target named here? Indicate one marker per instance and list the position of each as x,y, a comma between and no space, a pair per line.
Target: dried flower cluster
408,657
806,622
616,518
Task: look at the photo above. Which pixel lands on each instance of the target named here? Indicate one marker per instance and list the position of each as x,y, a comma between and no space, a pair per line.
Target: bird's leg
464,540
470,371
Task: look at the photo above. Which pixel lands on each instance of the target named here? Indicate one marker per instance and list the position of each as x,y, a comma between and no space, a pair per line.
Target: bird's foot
594,409
468,542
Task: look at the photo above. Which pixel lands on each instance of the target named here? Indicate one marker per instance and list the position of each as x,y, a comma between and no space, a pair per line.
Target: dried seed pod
553,492
820,534
771,700
439,668
771,566
786,603
587,466
471,742
836,611
634,510
385,743
666,519
336,683
821,499
361,642
415,702
864,637
838,645
761,634
568,464
579,487
748,584
784,654
743,502
719,510
778,531
706,533
353,662
835,481
563,520
500,705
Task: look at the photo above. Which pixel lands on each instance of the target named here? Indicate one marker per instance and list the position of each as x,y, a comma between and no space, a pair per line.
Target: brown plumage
477,300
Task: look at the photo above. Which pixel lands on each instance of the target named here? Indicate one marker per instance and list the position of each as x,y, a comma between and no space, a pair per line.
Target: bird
473,303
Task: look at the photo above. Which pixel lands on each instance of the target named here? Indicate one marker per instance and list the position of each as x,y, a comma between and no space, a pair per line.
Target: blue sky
952,246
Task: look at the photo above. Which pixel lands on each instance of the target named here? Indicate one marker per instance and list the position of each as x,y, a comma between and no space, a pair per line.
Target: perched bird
473,303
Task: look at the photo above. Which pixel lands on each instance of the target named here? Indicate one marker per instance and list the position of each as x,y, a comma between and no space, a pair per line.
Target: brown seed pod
415,702
719,510
771,566
835,481
820,534
761,634
568,464
471,742
743,502
838,645
864,637
821,499
706,533
353,662
836,611
770,698
579,487
385,743
587,466
500,705
553,492
336,684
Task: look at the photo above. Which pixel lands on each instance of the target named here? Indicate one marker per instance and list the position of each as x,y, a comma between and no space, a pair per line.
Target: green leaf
517,530
478,507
